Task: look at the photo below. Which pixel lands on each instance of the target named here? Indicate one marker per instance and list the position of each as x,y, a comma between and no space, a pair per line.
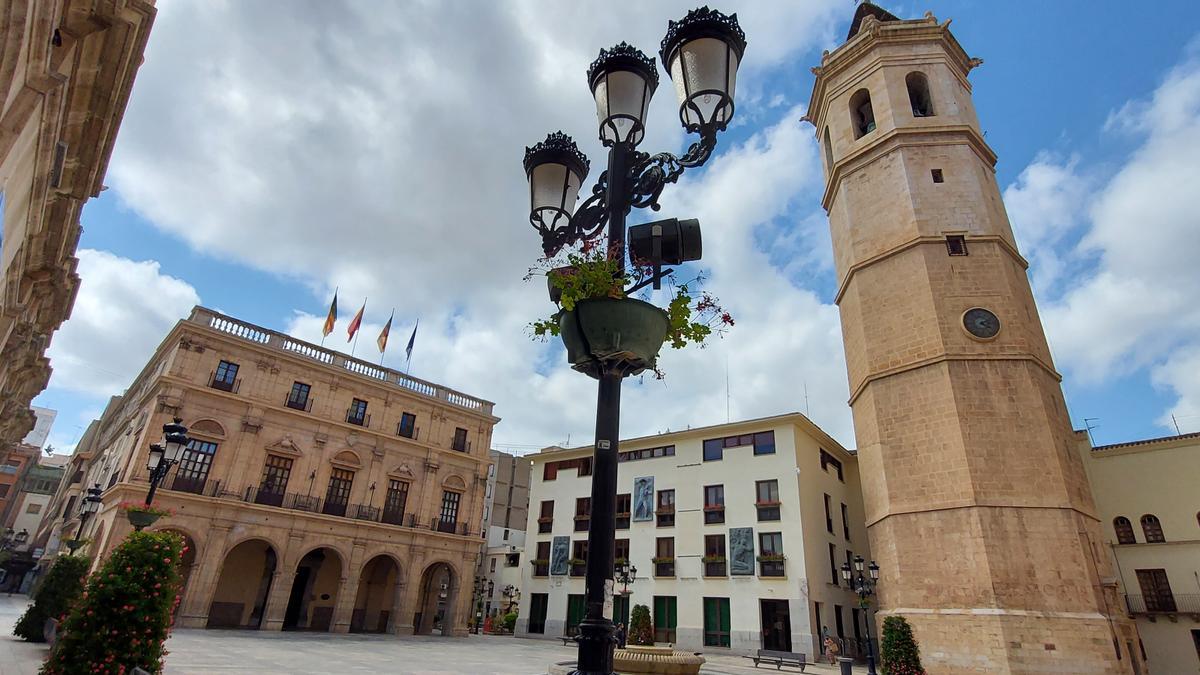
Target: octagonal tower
978,509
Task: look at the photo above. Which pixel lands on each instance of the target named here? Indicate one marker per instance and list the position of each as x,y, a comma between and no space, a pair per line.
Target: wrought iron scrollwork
648,175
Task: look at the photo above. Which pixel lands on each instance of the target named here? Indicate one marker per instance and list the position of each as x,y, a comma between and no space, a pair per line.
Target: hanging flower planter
142,516
622,335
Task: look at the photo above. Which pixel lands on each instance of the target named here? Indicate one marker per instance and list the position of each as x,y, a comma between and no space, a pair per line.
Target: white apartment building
737,531
1149,508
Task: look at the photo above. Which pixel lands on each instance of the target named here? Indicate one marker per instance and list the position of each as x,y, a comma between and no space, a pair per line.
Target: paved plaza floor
199,652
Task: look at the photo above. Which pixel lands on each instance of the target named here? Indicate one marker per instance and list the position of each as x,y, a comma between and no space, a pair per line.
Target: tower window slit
956,244
937,175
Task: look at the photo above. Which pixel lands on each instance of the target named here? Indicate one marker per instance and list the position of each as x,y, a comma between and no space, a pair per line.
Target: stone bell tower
978,509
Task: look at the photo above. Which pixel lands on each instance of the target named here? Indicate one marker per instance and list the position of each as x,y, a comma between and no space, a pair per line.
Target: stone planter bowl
141,519
608,334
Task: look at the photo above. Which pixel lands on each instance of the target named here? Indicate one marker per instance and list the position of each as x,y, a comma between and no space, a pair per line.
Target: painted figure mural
559,553
741,550
643,498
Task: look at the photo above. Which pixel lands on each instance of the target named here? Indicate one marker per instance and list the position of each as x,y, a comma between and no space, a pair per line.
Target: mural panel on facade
741,550
560,550
643,498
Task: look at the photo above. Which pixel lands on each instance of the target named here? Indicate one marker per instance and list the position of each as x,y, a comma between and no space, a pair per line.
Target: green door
716,622
621,610
576,609
665,618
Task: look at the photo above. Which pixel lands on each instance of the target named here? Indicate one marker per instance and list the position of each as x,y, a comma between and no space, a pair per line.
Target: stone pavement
204,652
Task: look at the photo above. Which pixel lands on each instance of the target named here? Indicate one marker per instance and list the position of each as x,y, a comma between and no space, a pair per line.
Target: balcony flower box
771,557
769,502
546,519
713,559
583,516
664,510
617,562
714,507
540,561
662,561
576,561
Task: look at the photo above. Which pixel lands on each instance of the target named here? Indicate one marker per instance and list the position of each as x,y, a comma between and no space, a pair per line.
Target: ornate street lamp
163,455
626,574
865,588
702,53
21,537
90,505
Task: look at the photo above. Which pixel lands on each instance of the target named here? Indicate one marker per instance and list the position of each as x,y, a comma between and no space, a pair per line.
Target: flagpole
363,311
383,352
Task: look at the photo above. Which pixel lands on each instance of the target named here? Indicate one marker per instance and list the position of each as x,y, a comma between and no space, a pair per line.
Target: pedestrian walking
620,636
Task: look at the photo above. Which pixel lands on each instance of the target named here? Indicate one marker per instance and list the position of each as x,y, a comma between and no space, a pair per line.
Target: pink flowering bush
124,614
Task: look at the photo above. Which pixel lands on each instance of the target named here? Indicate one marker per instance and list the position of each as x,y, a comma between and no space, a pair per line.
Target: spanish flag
332,318
383,336
356,322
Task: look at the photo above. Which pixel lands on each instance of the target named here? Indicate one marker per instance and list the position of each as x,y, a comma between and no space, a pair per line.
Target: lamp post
90,505
864,586
701,54
478,603
509,592
626,574
164,454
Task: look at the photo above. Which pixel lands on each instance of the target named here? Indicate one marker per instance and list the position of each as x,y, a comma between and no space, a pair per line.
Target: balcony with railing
358,417
1163,603
230,385
274,340
302,404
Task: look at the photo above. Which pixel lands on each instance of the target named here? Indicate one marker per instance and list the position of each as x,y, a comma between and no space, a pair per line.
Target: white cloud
1136,306
378,148
1045,204
123,310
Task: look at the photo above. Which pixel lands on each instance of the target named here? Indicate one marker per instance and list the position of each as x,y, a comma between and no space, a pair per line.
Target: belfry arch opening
918,94
862,115
828,152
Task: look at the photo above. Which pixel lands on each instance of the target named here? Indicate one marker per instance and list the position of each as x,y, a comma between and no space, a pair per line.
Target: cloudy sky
273,151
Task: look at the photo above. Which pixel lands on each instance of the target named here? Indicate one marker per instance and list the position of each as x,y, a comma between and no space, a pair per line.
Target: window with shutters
298,397
1156,590
579,554
276,473
624,503
408,425
337,495
1124,530
665,512
767,499
194,465
714,504
541,563
770,554
448,519
546,517
460,442
715,564
716,622
583,513
395,502
225,376
664,557
1152,529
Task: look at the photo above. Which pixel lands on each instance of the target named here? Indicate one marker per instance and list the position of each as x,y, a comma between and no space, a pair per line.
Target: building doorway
665,618
242,589
621,610
716,622
314,591
576,610
537,612
776,625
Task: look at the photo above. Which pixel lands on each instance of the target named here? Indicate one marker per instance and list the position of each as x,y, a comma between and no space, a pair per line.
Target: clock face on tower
981,323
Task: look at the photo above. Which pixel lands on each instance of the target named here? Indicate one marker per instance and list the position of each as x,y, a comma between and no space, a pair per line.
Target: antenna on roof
1176,423
727,387
1087,423
806,398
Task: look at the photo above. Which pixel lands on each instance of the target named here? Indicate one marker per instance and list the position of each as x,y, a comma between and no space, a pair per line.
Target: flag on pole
411,340
356,322
383,335
332,318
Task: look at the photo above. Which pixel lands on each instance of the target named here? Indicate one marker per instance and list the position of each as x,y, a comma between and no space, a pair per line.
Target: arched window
862,116
1152,529
918,94
1124,530
828,153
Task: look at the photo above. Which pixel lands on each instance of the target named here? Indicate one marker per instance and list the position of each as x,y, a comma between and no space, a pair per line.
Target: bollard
845,664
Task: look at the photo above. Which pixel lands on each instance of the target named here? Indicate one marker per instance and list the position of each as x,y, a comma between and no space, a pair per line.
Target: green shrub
510,621
900,654
124,614
56,593
641,629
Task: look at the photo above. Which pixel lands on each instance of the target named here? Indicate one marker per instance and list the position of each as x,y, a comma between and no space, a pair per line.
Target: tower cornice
900,137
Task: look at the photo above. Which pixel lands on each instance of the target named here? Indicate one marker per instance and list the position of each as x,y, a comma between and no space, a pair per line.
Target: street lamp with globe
864,586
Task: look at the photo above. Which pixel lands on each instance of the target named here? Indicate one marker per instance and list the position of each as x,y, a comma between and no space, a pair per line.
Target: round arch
314,589
243,584
187,561
380,588
439,591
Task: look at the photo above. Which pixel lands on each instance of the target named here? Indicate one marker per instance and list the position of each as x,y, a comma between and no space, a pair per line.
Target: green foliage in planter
124,614
771,557
590,274
509,621
641,629
55,594
899,652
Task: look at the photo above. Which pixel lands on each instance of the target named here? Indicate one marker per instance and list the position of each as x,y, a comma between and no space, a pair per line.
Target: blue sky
379,151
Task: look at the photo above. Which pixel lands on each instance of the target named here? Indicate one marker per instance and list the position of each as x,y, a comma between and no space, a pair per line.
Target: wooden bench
780,659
